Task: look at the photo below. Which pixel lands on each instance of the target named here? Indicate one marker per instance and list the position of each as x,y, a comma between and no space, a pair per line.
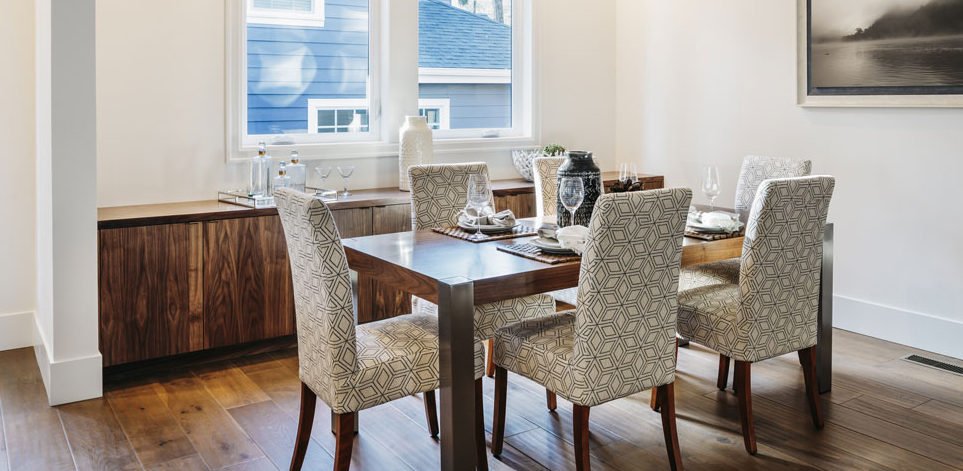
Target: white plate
699,227
487,229
550,246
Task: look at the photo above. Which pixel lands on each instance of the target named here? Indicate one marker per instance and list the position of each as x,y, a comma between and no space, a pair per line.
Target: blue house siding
287,66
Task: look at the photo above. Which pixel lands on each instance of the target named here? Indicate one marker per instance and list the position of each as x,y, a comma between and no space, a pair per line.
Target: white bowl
523,160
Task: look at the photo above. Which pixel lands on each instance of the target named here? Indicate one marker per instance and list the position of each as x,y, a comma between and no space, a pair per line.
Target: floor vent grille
921,360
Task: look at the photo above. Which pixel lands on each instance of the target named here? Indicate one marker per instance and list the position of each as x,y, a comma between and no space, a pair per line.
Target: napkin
547,230
573,238
473,217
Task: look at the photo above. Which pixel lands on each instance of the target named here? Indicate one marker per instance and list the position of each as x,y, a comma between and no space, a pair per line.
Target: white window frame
393,45
270,16
443,105
318,104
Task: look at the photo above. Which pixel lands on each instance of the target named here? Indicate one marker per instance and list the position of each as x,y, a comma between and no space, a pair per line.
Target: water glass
571,192
479,197
345,171
710,185
628,173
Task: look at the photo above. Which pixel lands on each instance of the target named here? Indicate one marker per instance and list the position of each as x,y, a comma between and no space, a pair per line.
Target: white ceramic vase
415,147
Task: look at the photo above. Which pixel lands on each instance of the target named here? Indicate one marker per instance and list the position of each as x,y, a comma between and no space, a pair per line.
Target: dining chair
620,340
755,169
545,171
352,367
438,194
772,309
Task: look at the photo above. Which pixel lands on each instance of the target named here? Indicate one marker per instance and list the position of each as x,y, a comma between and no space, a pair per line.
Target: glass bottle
257,184
296,171
282,180
270,170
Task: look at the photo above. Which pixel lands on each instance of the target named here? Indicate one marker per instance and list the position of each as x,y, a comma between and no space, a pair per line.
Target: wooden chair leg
305,420
667,400
654,395
580,426
723,372
343,440
481,450
490,352
498,415
551,400
431,413
808,359
744,393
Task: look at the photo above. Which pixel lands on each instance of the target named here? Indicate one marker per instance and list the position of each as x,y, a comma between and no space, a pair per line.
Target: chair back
626,317
439,192
322,293
781,266
545,170
756,168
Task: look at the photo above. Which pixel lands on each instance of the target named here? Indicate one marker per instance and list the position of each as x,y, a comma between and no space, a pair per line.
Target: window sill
367,150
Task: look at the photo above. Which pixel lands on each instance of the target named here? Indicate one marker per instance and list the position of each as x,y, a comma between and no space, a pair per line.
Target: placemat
713,235
459,233
532,252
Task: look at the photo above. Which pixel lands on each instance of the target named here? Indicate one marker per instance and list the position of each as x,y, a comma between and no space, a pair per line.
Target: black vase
579,164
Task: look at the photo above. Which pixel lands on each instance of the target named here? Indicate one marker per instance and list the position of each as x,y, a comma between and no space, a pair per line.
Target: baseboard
915,329
16,330
69,380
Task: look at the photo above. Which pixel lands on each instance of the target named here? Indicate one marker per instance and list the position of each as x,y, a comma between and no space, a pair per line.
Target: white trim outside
335,104
446,75
269,16
443,105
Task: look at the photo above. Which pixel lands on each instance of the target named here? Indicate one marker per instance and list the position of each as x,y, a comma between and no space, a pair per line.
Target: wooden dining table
458,274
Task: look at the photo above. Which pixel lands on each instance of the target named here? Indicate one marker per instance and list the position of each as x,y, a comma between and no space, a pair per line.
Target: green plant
553,150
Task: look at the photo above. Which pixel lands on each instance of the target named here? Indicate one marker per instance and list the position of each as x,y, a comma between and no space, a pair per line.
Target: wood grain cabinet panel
352,222
247,281
145,280
521,204
390,219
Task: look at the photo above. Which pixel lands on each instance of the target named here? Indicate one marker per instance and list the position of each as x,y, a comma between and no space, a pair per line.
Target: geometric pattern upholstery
545,170
772,310
756,169
620,340
712,273
438,194
349,367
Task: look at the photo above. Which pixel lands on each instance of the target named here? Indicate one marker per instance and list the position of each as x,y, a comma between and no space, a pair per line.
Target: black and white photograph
886,47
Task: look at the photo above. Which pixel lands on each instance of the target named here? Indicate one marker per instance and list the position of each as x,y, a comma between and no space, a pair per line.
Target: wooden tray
532,252
714,235
459,233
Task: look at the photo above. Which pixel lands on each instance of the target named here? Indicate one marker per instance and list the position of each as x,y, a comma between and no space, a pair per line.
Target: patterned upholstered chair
545,170
620,340
438,194
772,309
755,170
351,367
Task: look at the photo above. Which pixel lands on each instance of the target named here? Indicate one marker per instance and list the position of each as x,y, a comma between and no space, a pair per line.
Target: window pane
465,56
290,64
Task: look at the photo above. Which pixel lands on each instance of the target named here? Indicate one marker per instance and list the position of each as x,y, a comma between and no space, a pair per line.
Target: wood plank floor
241,414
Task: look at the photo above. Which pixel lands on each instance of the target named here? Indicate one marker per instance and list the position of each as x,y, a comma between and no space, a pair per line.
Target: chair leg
654,395
490,352
481,451
498,415
305,420
551,400
343,440
431,413
667,400
808,359
580,425
723,372
744,393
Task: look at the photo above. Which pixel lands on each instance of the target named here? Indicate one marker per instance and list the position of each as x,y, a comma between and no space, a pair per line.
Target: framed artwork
884,53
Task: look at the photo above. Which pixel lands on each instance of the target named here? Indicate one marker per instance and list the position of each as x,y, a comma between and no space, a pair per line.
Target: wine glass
323,174
571,192
479,197
710,185
345,171
628,174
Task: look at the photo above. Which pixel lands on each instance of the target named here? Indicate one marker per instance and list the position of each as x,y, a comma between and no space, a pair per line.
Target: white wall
161,102
17,257
708,82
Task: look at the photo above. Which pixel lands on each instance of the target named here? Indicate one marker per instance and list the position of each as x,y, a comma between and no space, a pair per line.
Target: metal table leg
456,305
824,339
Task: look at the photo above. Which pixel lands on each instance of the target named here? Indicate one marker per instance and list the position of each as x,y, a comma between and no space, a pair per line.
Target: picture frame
880,97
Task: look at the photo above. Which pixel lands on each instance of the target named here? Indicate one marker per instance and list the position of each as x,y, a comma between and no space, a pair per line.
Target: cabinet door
145,290
352,222
247,281
390,219
521,204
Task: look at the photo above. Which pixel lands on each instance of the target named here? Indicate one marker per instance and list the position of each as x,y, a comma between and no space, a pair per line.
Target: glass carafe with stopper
257,186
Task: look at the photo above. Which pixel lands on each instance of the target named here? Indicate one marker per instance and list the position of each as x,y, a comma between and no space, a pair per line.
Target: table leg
824,336
456,306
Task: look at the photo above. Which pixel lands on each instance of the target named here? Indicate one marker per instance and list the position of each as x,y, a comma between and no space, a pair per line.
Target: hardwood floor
241,414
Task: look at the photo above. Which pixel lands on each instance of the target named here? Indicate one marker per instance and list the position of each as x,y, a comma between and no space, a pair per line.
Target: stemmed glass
345,171
710,185
323,174
479,197
628,173
571,192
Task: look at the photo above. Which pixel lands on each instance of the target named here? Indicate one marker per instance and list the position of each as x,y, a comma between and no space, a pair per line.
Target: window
294,78
286,12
